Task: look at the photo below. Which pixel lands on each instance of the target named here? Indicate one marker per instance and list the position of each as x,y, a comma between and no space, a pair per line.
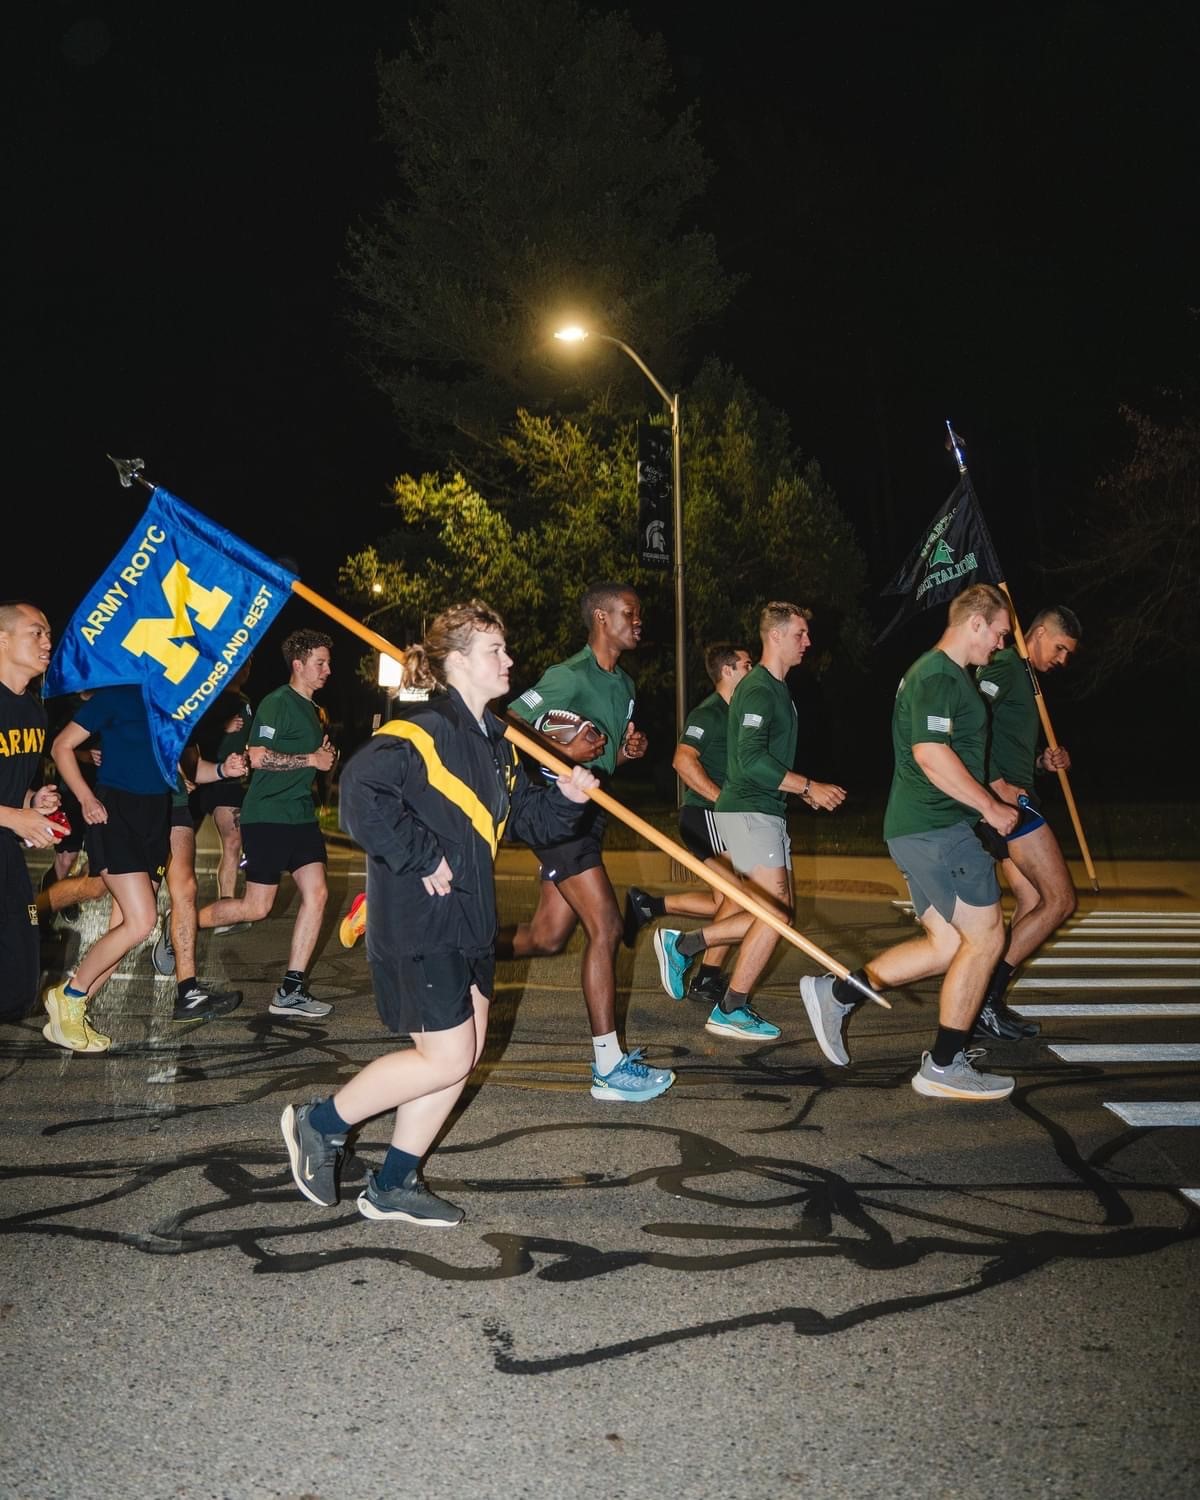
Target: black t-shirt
22,742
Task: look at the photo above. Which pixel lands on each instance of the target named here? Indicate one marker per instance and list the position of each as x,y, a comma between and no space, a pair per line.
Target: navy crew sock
948,1044
998,983
325,1118
845,993
293,982
396,1167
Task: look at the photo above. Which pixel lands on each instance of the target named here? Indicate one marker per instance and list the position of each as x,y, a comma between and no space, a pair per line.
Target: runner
428,798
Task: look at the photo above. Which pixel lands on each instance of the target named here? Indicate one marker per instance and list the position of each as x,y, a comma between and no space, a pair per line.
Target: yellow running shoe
354,923
67,1026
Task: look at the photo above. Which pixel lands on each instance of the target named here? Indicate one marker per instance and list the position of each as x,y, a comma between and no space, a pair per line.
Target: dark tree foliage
1140,555
545,176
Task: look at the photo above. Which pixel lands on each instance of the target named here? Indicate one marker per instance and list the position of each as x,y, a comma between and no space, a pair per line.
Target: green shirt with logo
582,685
1006,685
762,745
286,722
707,732
937,703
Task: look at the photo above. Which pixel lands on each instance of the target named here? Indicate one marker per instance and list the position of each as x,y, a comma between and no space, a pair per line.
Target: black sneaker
314,1157
996,1020
199,1003
412,1201
708,989
637,914
162,955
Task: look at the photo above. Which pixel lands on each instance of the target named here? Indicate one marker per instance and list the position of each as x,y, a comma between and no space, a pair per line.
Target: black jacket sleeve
373,811
540,814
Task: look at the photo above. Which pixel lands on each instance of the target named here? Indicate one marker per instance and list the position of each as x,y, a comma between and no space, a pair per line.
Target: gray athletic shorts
755,840
945,866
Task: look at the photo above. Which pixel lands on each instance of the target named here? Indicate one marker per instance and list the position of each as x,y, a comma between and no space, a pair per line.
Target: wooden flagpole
1048,730
531,746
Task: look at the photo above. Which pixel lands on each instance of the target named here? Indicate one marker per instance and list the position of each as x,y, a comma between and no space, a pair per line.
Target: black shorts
271,848
20,945
698,832
432,991
213,794
181,816
137,837
583,852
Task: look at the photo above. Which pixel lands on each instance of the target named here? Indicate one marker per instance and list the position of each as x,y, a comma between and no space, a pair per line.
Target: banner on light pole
654,487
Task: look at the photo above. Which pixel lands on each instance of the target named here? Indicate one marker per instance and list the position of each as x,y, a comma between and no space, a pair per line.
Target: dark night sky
975,211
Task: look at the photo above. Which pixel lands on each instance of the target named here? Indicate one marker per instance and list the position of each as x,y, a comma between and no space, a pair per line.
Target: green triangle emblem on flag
942,554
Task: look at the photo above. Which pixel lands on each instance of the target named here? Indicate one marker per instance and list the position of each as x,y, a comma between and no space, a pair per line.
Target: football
562,726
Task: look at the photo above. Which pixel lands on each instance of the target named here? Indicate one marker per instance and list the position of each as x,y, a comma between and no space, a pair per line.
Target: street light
575,335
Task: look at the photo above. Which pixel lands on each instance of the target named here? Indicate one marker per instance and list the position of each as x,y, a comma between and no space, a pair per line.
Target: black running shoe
997,1021
707,990
314,1157
637,914
411,1201
199,1003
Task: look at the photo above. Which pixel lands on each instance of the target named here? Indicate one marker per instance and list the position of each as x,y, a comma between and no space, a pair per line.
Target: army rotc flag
954,552
177,611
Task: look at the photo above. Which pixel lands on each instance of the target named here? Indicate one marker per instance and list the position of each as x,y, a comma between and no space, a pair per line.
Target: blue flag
177,612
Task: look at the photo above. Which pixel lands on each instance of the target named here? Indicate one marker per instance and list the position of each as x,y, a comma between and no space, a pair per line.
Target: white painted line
1192,1193
1114,1012
1130,1052
1157,1113
1141,929
1103,982
1113,963
1155,947
1138,916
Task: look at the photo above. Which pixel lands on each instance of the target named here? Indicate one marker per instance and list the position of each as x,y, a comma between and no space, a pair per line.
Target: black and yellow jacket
431,783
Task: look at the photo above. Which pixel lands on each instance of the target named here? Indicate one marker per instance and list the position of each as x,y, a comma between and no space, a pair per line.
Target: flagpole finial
128,469
955,445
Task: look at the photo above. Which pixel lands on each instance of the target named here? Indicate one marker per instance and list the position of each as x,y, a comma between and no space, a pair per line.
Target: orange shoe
354,923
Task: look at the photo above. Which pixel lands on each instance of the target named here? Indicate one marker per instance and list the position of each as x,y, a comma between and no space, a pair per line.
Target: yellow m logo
157,638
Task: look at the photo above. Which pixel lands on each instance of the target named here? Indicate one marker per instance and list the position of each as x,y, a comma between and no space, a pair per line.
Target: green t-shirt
286,721
762,745
582,685
1013,744
937,703
707,732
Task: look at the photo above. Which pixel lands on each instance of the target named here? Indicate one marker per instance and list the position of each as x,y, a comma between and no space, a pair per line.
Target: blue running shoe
672,966
741,1022
631,1081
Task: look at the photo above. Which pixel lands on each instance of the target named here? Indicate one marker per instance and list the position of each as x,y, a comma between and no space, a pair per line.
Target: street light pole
574,335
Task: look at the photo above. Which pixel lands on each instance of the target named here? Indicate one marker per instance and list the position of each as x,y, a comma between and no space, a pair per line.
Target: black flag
954,552
654,495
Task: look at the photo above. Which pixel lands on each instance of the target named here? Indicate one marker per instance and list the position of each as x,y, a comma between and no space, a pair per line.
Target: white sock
607,1052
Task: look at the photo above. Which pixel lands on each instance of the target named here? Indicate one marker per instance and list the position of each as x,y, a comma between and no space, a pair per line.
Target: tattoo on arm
277,760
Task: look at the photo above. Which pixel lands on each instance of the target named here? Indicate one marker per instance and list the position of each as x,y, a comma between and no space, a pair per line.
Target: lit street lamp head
572,334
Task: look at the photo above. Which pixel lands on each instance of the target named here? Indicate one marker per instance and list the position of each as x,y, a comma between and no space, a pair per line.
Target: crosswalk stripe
1140,931
1138,916
1113,963
1192,1193
1104,982
1158,1113
1110,1012
1127,1052
1155,947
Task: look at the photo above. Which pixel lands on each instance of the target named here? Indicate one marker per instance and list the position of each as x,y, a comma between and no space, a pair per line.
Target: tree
542,174
760,523
1141,550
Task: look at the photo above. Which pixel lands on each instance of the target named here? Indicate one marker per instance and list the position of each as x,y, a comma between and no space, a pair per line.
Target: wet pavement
780,1278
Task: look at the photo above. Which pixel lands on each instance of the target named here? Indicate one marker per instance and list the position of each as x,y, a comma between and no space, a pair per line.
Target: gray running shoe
826,1016
163,956
314,1157
959,1079
299,1003
231,927
411,1201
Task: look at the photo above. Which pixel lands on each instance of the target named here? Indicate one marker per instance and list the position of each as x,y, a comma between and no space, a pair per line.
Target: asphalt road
780,1279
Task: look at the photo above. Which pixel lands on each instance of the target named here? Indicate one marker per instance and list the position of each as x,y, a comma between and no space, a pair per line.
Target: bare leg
251,907
981,933
228,826
772,885
133,919
310,882
422,1084
70,892
1035,864
181,888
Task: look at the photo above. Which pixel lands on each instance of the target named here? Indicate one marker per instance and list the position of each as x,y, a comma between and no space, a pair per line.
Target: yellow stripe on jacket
443,780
